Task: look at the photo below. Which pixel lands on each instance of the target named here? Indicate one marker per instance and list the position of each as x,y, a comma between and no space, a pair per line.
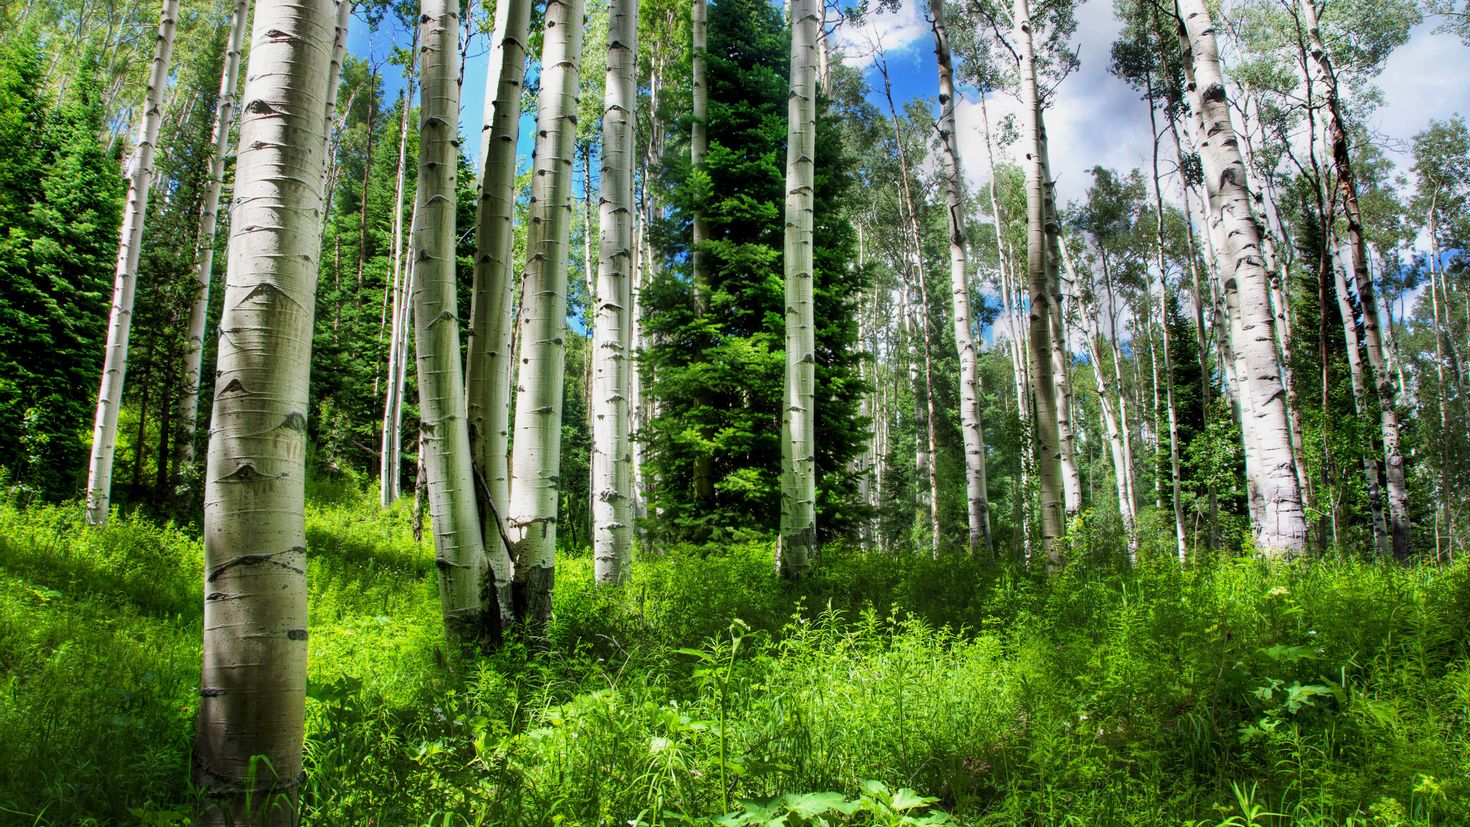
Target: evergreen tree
60,206
726,405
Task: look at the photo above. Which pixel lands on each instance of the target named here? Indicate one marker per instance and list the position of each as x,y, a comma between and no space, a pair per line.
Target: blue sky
1096,118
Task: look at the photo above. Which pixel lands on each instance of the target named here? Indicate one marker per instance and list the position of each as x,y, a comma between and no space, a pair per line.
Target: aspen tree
443,429
1355,257
125,282
391,461
489,365
253,686
704,486
978,503
917,317
1043,386
224,117
1281,527
535,467
612,496
798,411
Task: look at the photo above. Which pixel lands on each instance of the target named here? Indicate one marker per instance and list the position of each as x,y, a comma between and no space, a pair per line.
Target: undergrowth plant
882,689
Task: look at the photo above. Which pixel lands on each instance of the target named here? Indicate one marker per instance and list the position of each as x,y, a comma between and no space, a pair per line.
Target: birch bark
798,417
612,529
1281,528
489,364
125,281
253,684
1356,250
536,464
204,247
466,595
971,425
1043,385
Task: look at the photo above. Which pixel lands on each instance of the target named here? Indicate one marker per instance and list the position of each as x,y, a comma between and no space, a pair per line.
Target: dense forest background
1052,574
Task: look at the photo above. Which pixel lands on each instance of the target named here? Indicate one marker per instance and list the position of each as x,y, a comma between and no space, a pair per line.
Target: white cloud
1095,119
894,31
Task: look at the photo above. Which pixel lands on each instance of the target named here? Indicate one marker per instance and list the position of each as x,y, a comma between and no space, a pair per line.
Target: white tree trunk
536,465
612,478
253,685
704,484
798,415
466,597
125,282
1043,386
489,362
390,469
916,315
204,247
1282,527
1356,257
971,425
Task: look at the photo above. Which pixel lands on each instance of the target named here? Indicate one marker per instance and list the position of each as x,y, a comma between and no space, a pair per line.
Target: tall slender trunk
926,486
367,176
1061,351
612,479
1016,347
971,424
798,416
1105,395
1043,386
466,593
917,308
247,756
125,280
391,461
1361,403
1357,259
204,245
489,363
704,483
1175,500
1282,528
536,466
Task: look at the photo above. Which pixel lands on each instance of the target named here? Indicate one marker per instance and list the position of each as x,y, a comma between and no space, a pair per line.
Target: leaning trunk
1357,249
252,691
125,280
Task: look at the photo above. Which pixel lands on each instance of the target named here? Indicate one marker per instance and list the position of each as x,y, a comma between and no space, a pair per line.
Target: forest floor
882,690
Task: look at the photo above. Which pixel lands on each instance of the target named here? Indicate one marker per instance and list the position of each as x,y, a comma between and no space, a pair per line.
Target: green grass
882,690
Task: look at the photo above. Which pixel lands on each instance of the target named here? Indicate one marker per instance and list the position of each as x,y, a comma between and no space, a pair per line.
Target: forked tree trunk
1043,386
204,247
971,426
466,592
390,466
536,466
798,415
247,756
612,478
1282,527
125,279
488,371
